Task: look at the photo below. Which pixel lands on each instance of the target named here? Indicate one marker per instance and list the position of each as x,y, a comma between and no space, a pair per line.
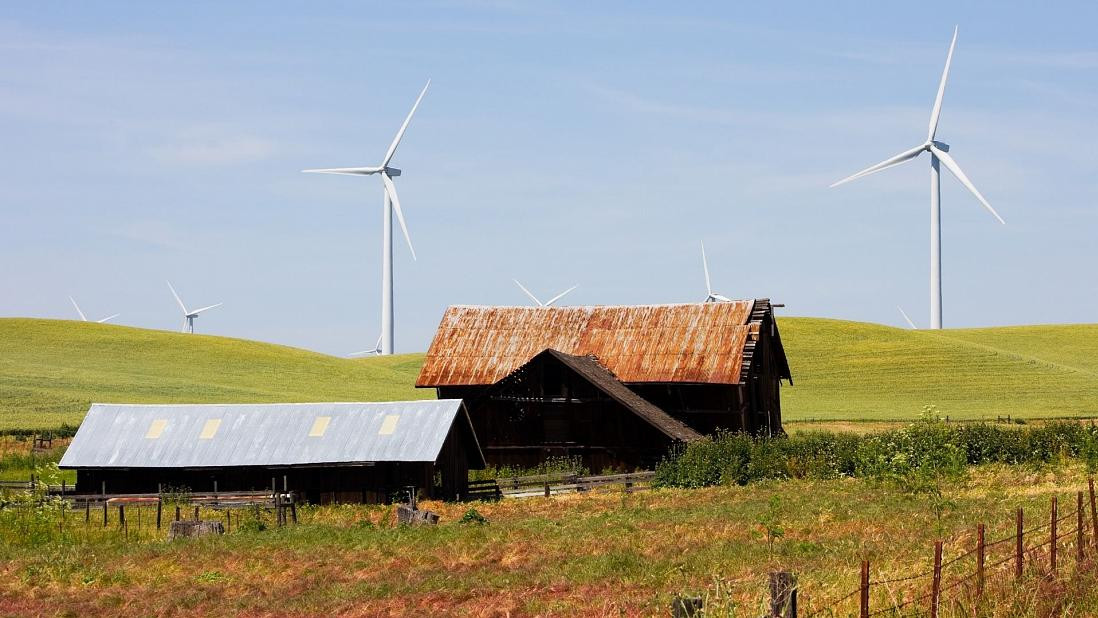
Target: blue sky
589,143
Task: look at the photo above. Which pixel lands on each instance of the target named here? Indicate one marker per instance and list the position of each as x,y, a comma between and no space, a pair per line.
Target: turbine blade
391,189
82,316
705,267
404,127
350,171
956,169
177,299
109,317
906,155
934,113
198,311
528,293
558,296
909,322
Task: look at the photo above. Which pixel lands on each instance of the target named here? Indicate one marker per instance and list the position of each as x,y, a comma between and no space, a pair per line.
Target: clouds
215,150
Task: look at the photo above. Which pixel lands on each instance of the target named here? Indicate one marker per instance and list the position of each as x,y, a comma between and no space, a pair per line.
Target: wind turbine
374,351
909,322
391,204
85,318
939,154
711,297
188,316
548,302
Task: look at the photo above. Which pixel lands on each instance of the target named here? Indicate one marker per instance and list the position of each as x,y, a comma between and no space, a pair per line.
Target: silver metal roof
222,435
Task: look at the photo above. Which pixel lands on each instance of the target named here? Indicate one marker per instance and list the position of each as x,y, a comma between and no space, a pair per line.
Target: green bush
925,449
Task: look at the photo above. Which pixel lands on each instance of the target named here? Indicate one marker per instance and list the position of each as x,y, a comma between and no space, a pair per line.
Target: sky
590,144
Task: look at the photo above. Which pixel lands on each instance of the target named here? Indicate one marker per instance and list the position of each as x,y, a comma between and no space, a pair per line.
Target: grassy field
580,555
50,371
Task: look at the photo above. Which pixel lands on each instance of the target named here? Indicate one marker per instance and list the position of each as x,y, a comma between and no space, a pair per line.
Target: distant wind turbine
909,322
391,204
939,154
374,351
548,302
85,318
188,316
711,296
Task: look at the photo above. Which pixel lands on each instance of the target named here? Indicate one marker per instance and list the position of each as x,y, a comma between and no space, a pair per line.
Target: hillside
50,371
852,370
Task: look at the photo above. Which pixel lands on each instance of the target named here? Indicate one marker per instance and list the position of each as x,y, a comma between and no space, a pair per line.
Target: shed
327,452
616,385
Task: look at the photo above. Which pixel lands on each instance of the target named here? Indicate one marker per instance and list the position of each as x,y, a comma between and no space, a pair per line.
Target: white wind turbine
548,302
391,204
939,154
374,351
188,316
710,295
909,322
85,318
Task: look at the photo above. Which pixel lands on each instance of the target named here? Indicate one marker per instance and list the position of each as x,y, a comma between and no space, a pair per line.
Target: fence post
864,591
783,595
159,508
196,512
1019,554
122,517
177,516
936,585
1079,538
87,510
1093,512
980,550
1052,552
104,513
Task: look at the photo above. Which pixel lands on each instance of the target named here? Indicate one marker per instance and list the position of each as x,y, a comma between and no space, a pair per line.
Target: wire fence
1037,547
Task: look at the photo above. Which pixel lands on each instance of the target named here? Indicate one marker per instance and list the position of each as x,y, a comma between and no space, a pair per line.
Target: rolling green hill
50,371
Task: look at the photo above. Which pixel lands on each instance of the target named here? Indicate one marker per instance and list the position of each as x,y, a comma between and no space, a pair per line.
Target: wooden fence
554,484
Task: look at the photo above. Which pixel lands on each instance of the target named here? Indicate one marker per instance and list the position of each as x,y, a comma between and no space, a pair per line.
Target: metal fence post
1079,538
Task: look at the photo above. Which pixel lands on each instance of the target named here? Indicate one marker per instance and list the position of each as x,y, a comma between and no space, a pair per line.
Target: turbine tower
939,155
390,204
188,316
548,302
85,318
710,295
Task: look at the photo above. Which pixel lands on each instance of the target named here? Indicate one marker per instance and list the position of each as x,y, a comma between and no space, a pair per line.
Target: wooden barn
324,452
614,385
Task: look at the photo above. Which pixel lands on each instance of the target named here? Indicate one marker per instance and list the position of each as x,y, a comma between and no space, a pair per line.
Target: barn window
389,425
320,425
156,428
209,430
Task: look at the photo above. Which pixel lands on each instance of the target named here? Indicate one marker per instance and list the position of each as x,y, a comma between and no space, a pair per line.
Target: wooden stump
415,517
183,529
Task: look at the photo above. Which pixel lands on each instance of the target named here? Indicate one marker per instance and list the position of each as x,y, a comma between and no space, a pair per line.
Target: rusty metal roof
695,343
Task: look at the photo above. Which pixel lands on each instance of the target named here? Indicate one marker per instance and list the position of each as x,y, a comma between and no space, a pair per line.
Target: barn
324,452
615,385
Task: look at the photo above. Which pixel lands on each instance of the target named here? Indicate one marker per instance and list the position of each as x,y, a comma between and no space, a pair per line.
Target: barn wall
318,485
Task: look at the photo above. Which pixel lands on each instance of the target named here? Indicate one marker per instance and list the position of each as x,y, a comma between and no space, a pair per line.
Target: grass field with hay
604,553
51,370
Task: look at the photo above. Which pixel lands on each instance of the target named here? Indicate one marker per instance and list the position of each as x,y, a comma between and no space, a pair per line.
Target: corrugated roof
224,435
599,376
695,343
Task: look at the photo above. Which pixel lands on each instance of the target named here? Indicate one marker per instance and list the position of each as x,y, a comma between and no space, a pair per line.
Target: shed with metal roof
327,452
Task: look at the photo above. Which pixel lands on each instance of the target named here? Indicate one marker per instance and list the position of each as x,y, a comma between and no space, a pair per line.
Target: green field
51,370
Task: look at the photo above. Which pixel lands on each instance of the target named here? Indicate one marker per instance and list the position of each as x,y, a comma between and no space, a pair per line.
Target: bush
927,449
